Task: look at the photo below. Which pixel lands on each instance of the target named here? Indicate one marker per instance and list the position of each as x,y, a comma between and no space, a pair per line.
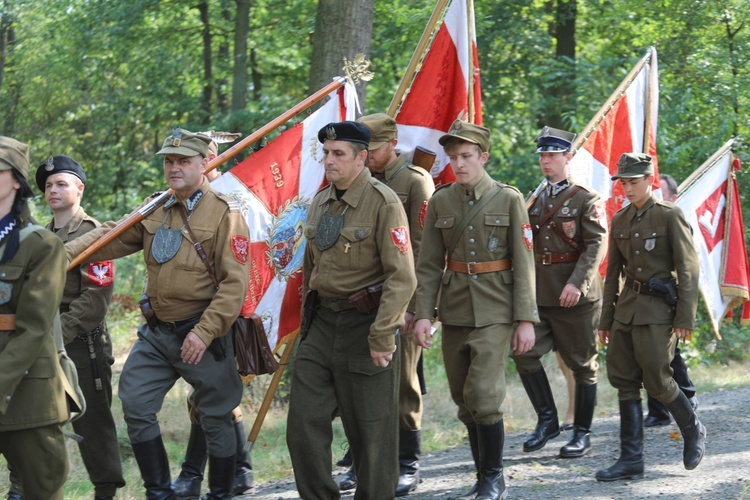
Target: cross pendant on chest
347,246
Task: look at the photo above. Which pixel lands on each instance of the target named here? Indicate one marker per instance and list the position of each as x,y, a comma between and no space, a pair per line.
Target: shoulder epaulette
443,186
231,202
417,169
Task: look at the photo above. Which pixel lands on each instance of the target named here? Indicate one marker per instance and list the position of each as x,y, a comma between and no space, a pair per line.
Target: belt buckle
637,286
468,267
546,259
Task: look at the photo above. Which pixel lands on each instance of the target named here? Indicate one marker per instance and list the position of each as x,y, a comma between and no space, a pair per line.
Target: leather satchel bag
251,348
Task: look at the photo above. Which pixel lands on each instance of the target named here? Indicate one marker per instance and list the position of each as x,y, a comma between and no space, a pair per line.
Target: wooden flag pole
470,31
142,212
698,172
416,57
652,83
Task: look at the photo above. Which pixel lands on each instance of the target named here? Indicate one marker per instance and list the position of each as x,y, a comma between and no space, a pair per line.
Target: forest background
104,81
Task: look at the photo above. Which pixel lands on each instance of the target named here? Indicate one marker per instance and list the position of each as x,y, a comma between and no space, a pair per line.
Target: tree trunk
563,90
239,71
343,28
207,63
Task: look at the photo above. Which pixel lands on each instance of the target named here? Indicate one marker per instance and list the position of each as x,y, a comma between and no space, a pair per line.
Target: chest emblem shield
6,291
569,228
650,244
329,230
166,244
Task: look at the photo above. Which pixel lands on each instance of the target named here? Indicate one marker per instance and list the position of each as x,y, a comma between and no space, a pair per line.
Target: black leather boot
243,473
188,483
15,492
154,465
220,477
474,444
408,461
585,402
630,463
693,431
540,394
349,481
491,441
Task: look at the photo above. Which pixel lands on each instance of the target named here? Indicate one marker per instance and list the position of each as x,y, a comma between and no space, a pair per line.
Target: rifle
424,158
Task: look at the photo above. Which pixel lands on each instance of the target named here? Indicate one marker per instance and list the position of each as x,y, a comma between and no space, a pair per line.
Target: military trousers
640,356
334,372
38,456
573,332
195,416
410,390
474,360
153,367
99,449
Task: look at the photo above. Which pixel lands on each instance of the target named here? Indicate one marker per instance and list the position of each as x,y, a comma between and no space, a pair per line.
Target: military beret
382,129
58,165
345,131
554,140
468,132
14,155
185,143
633,165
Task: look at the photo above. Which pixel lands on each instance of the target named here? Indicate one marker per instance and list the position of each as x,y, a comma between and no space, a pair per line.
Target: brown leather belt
336,305
7,322
547,259
640,287
479,267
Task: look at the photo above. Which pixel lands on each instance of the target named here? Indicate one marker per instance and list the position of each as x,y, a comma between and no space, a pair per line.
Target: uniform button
653,234
546,237
636,235
26,373
471,228
621,235
2,275
545,249
639,269
473,276
471,203
445,222
7,399
637,252
471,240
497,221
472,253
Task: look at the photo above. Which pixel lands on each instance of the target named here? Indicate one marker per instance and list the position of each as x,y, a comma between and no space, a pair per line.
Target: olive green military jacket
582,219
373,247
501,230
414,187
181,287
31,380
653,242
88,289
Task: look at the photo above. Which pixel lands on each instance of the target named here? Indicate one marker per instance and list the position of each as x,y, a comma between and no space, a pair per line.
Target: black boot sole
541,445
620,478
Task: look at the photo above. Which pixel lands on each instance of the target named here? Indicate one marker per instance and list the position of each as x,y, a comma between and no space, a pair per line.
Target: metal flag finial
356,70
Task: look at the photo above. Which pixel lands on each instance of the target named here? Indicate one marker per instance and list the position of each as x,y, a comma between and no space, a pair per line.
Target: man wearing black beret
359,277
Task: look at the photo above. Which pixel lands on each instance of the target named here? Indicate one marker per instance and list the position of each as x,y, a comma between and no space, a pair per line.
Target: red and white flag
622,130
710,199
274,188
439,93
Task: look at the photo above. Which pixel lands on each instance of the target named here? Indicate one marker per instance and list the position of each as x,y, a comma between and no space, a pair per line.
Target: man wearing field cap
570,240
191,300
477,257
414,186
359,278
644,315
88,290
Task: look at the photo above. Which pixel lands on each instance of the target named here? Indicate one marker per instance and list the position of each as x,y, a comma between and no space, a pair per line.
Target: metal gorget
166,243
329,228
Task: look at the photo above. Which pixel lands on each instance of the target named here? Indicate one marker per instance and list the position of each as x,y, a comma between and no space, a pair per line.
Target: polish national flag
710,199
622,130
439,93
274,188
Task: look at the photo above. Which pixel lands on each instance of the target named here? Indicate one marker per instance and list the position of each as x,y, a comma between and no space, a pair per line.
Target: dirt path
724,472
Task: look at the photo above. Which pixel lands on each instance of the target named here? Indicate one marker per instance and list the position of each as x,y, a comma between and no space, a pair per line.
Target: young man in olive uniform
486,289
652,248
33,404
414,186
357,238
193,308
569,226
88,290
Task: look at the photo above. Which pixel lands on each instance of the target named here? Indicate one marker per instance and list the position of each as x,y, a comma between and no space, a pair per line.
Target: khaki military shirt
88,289
373,247
499,231
651,242
31,380
414,186
181,288
581,218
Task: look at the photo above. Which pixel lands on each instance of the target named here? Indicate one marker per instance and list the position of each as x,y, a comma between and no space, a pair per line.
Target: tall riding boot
15,492
491,442
408,461
188,483
154,465
693,431
243,474
474,444
585,402
220,477
540,394
630,463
